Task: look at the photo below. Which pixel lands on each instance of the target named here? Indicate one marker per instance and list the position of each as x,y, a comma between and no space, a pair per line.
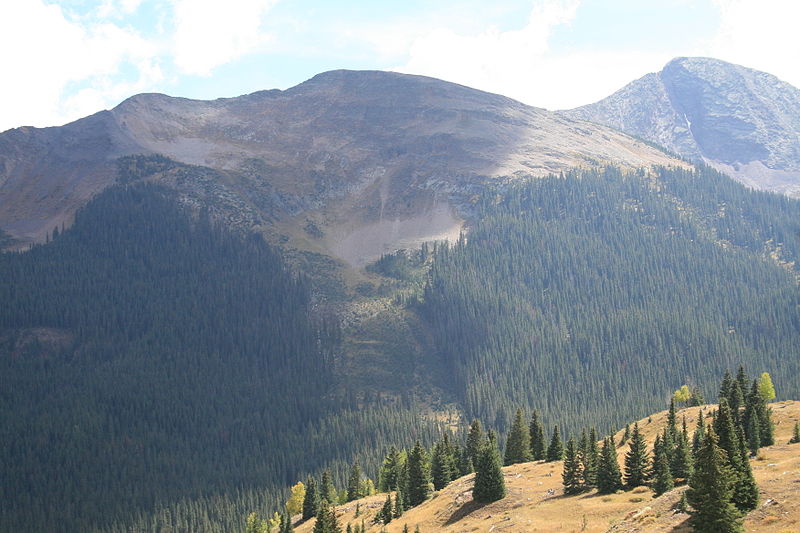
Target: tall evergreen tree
699,435
475,439
711,489
386,513
555,451
419,476
327,490
609,479
572,476
354,483
591,460
637,460
518,444
625,435
795,434
311,499
538,443
681,465
662,475
465,465
489,483
326,519
442,467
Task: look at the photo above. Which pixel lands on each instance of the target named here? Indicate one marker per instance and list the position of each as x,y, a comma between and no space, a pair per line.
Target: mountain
348,163
743,122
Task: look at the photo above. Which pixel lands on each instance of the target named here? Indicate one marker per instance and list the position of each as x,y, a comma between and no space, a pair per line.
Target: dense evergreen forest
150,360
161,373
590,295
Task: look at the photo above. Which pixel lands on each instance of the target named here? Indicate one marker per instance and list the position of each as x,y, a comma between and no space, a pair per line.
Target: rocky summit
349,163
744,122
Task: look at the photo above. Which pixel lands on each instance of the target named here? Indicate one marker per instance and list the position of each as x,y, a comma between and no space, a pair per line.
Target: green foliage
538,443
574,280
475,439
711,490
419,476
326,519
354,483
489,483
573,475
662,475
518,443
682,395
555,451
795,434
637,461
609,478
766,388
311,499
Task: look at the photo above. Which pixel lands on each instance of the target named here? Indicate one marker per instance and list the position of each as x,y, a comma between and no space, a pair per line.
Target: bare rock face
742,121
349,163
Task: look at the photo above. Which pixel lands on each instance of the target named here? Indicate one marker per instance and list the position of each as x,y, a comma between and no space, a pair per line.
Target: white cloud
210,33
44,54
522,65
761,34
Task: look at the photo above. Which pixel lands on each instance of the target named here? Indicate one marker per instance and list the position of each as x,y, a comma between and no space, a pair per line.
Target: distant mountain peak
743,121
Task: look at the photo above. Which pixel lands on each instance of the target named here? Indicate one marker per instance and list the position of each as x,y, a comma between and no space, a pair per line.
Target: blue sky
64,59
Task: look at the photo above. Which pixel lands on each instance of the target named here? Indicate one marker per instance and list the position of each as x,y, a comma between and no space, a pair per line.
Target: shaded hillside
536,501
614,287
742,121
372,160
148,357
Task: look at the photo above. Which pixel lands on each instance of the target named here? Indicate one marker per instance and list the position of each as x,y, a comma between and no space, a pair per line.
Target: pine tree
699,435
681,465
742,380
711,489
609,479
637,461
538,444
662,475
286,524
795,434
442,471
572,476
419,476
725,386
745,490
465,465
311,499
475,439
555,451
354,483
518,445
399,507
386,512
327,490
489,483
591,460
672,422
625,435
326,519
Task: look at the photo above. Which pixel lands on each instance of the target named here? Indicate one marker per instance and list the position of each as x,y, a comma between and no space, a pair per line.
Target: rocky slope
348,163
741,121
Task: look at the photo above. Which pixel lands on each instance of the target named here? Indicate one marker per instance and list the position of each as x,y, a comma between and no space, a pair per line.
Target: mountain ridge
739,120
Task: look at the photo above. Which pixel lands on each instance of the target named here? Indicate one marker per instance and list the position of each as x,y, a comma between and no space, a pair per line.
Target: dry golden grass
536,502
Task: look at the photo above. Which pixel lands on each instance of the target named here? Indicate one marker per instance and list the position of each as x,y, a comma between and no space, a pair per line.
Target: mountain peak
742,121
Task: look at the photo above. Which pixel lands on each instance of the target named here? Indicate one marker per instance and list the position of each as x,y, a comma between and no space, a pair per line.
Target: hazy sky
64,59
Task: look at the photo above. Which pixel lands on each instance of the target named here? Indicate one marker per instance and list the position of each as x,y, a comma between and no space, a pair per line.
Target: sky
65,59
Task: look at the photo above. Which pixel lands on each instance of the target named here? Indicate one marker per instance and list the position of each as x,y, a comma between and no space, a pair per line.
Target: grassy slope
530,507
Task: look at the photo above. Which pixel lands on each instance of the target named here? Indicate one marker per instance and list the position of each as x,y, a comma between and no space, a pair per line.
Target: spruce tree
465,465
682,461
386,513
475,439
354,483
442,469
327,491
572,476
419,476
326,519
795,434
489,483
608,474
286,525
711,489
555,451
518,444
311,499
699,435
591,459
637,461
538,444
399,507
662,475
625,435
